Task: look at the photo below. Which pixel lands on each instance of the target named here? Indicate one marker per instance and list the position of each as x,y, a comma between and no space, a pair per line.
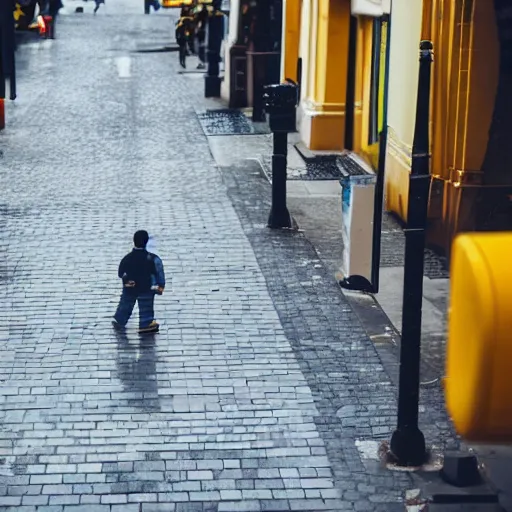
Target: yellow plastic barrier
479,352
171,4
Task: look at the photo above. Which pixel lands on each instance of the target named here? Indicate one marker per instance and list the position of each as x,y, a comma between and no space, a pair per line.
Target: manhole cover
230,122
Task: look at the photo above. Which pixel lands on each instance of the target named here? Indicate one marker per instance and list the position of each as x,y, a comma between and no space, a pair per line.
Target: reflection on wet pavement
136,368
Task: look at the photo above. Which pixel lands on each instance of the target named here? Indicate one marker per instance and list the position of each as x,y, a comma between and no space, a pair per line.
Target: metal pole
212,79
2,74
351,84
279,215
408,442
2,51
299,76
10,46
260,47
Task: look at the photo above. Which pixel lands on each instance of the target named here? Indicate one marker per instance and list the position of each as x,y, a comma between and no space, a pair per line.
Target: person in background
151,3
201,19
97,6
143,276
50,7
184,28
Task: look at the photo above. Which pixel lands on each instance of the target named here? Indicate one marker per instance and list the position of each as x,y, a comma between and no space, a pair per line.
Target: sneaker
152,327
117,326
200,66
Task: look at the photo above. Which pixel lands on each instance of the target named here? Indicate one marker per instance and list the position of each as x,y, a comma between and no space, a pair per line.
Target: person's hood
151,245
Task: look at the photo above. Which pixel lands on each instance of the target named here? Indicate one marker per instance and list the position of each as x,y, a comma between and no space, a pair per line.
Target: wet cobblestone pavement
261,387
393,250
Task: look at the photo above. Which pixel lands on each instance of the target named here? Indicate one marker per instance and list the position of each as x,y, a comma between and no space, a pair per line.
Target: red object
2,113
45,26
42,25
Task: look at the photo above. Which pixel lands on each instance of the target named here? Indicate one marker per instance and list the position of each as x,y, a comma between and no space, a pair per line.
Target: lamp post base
408,447
279,218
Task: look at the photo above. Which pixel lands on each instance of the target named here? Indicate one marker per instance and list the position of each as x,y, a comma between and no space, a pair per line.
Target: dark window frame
373,126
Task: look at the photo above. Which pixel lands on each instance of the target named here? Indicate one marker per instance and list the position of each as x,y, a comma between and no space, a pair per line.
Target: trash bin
357,205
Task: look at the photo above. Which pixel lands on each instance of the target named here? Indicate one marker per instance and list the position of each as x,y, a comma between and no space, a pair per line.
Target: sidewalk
315,205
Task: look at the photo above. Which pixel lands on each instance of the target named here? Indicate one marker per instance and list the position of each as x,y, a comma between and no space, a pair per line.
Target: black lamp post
266,52
408,443
212,79
7,48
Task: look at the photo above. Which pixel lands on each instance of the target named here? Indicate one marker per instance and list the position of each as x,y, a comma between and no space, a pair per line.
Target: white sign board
374,8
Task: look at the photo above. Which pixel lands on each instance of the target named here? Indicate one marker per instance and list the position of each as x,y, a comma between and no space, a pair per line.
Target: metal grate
230,122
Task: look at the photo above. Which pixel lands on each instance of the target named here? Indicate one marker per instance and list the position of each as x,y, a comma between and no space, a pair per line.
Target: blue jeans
126,304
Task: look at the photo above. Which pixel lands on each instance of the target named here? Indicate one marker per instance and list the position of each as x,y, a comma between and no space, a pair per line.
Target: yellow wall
464,80
324,50
406,20
482,84
291,38
464,87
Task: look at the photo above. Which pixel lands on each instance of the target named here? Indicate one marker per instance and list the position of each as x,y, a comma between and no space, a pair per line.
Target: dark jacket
138,266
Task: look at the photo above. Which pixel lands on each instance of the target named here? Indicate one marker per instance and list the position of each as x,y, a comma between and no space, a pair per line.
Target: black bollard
279,215
8,43
281,101
212,79
408,443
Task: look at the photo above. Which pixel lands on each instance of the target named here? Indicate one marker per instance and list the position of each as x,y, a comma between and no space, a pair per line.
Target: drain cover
230,122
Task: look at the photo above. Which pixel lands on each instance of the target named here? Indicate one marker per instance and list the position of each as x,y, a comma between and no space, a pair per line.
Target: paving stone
158,507
64,500
239,506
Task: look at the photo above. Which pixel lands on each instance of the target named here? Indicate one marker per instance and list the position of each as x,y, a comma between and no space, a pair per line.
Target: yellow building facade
340,62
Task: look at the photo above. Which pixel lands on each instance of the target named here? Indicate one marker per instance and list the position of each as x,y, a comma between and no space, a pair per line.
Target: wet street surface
262,390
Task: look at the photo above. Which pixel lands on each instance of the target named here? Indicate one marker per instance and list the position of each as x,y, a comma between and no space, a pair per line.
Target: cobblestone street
262,391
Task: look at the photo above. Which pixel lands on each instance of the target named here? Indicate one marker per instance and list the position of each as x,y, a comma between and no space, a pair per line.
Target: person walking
183,29
201,18
97,6
151,3
143,276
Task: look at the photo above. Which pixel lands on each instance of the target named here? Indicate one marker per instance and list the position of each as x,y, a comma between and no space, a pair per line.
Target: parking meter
281,101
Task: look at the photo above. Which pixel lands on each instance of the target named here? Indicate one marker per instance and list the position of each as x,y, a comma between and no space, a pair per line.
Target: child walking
97,6
143,276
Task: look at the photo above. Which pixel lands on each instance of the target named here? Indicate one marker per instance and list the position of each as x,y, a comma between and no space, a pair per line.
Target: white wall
406,17
304,45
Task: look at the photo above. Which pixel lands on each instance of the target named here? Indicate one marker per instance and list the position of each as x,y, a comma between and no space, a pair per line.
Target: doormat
230,122
321,168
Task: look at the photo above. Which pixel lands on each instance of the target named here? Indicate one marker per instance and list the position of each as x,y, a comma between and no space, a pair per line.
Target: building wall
230,40
406,26
292,11
464,83
465,77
